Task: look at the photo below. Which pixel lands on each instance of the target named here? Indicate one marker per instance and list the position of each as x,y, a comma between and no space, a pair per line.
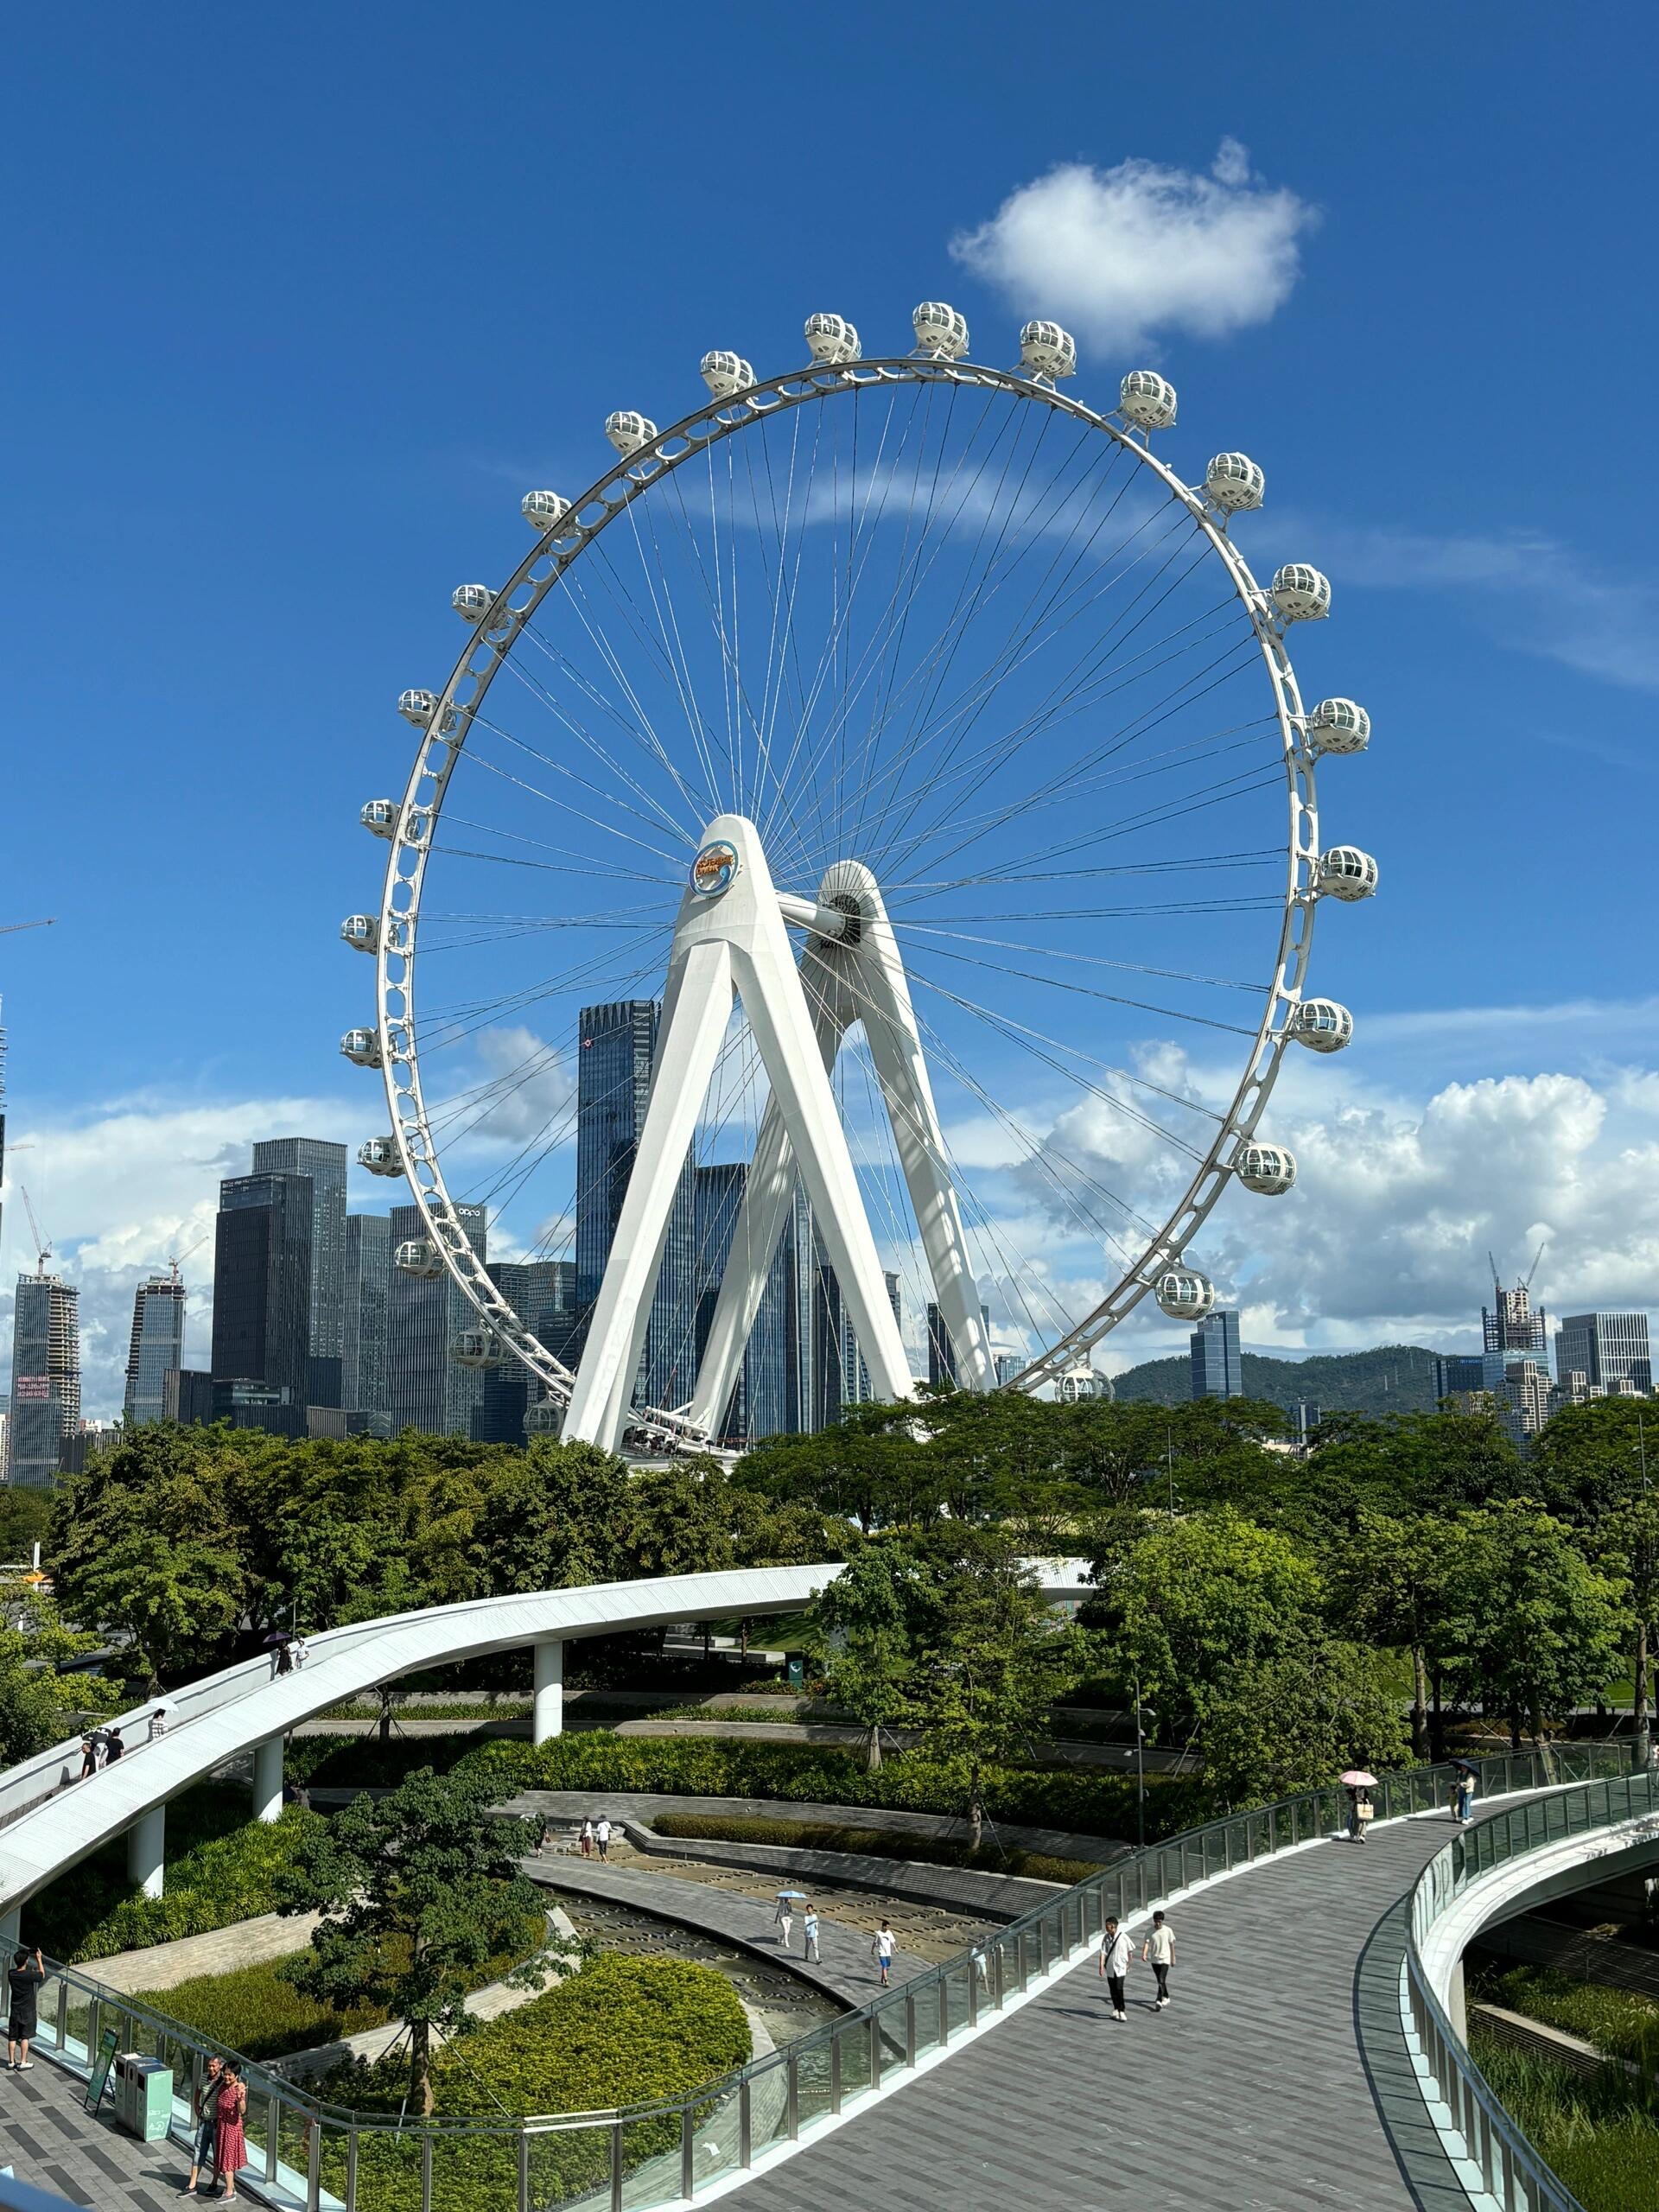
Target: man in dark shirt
27,1973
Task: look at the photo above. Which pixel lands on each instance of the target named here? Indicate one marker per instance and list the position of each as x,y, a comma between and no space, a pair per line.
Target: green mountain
1392,1379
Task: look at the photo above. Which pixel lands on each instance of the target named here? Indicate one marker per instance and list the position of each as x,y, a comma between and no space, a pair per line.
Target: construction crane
176,1260
42,1246
1526,1280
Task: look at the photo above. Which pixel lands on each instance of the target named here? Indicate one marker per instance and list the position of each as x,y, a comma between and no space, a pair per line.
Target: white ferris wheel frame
441,746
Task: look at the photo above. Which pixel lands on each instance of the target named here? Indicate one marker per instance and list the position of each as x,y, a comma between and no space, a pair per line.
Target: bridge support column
548,1718
268,1779
147,1851
1457,2008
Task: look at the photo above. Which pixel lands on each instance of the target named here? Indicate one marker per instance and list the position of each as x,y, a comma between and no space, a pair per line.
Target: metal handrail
787,2093
1512,2172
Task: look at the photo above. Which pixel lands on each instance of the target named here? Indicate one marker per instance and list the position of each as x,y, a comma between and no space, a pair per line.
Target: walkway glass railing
307,2155
1496,2156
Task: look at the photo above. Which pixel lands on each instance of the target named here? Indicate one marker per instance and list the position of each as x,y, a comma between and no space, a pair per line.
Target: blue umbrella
782,1894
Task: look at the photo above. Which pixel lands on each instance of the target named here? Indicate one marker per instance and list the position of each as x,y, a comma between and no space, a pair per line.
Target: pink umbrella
1356,1779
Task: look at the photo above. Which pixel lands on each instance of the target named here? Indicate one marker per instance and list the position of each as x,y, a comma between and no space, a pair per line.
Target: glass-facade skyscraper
325,1164
45,1379
157,1345
427,1388
617,1044
1218,1371
1611,1350
365,1384
541,1293
262,1301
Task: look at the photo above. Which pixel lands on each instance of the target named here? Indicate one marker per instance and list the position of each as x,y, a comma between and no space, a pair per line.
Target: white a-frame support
731,935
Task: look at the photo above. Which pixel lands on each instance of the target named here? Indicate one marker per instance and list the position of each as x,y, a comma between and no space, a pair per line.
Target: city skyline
1474,1107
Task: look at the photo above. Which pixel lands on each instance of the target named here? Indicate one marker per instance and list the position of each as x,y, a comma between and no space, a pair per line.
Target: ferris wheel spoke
651,816
606,829
588,740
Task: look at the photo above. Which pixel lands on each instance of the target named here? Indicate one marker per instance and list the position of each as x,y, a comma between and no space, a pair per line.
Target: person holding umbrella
1463,1792
1359,1786
278,1642
785,1915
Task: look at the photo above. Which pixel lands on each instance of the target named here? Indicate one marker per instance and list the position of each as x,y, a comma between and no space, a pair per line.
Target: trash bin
144,2097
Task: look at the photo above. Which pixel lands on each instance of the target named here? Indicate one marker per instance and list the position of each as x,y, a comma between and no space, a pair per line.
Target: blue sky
303,301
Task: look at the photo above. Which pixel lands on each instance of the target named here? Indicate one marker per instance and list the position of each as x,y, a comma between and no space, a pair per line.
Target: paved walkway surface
49,2140
845,1971
1278,2077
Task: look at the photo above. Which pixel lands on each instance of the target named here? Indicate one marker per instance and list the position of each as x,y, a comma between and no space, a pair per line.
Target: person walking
784,1917
204,2139
1159,1953
587,1837
1116,1949
113,1747
1360,1810
882,1951
230,2140
809,1931
88,1757
602,1835
23,1980
1463,1795
158,1724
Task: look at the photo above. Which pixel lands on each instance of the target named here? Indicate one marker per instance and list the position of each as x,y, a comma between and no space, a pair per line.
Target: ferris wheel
903,762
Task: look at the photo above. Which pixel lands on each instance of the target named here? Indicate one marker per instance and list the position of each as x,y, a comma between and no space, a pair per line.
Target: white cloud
1121,254
1537,593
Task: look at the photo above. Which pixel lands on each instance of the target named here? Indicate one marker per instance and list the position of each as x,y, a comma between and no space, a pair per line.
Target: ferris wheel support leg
762,1213
694,1023
902,1070
778,1015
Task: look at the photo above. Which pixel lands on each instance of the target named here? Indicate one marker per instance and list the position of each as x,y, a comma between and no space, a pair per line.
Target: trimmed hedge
221,1867
1088,1803
882,1843
622,2031
253,2009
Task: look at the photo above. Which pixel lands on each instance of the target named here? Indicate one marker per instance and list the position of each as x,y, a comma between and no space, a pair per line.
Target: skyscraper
1611,1350
157,1345
262,1301
325,1164
427,1389
941,1352
45,1378
540,1292
1511,1331
363,1378
617,1044
1217,1370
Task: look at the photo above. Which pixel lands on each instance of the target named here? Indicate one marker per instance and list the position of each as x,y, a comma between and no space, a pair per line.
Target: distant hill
1392,1379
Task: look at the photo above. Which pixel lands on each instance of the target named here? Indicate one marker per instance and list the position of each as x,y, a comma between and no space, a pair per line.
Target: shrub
254,2010
221,1867
1088,1803
1617,2021
883,1843
1591,2128
623,2032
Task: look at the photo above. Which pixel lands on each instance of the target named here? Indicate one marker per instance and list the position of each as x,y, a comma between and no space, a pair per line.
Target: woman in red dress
229,2112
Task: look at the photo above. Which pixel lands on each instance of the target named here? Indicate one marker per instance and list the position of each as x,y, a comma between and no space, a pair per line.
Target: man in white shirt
602,1835
1116,1949
1159,1952
882,1951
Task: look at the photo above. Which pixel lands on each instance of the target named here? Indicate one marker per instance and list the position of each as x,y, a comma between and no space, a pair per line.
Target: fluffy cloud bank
1122,254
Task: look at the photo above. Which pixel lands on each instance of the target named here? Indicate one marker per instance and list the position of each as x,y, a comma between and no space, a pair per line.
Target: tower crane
176,1260
43,1245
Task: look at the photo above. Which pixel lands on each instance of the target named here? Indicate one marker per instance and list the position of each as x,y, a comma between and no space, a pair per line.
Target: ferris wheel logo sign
714,869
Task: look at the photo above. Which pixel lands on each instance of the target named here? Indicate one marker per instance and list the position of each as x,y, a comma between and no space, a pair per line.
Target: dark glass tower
365,1384
541,1293
427,1389
1216,1372
157,1345
262,1300
325,1164
618,1043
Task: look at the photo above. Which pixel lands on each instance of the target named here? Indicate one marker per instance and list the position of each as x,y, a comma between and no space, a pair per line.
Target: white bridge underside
735,941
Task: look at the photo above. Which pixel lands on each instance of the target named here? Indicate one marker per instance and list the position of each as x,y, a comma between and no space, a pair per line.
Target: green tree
39,1704
1297,1720
1626,1543
553,1518
416,1890
1534,1627
1198,1599
1590,1459
1391,1585
873,1620
1000,1657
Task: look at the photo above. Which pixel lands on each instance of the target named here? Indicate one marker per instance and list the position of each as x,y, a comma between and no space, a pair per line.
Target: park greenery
1276,1614
418,1891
